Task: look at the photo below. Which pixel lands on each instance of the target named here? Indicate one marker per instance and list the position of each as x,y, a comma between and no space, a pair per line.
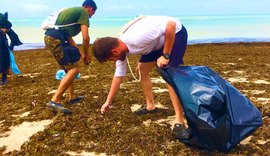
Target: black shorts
177,53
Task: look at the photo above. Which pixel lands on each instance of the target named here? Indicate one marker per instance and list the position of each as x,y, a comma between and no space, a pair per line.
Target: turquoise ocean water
201,29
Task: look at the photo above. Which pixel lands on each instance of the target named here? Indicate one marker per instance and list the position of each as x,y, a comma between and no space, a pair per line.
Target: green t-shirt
73,15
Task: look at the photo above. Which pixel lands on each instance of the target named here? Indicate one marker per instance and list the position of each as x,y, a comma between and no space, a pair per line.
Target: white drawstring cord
122,31
132,72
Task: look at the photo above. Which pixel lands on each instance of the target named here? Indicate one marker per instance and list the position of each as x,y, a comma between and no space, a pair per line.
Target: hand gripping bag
219,116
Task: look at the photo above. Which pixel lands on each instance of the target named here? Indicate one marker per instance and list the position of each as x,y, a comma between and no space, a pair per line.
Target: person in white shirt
161,41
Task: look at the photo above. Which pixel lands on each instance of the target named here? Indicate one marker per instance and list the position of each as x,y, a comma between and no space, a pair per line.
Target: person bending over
161,41
77,19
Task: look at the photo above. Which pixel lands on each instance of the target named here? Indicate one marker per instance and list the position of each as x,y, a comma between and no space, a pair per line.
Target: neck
123,46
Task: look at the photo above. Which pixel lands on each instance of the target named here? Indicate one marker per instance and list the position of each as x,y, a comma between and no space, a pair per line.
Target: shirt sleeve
121,68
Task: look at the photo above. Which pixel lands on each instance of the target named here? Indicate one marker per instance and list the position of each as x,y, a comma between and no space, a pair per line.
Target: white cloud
117,7
149,7
36,8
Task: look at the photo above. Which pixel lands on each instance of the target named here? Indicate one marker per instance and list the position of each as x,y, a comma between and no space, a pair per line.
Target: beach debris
84,153
22,115
31,75
261,82
60,74
147,122
263,101
85,77
157,80
255,92
52,92
56,135
134,107
237,79
262,142
47,64
246,141
34,102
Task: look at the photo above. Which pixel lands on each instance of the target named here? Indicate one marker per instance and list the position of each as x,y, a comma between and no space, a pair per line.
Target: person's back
73,15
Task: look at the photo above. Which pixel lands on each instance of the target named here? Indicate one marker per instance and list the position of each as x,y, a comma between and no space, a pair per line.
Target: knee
74,71
145,76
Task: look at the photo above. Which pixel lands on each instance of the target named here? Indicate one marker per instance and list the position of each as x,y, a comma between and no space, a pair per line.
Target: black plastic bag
219,116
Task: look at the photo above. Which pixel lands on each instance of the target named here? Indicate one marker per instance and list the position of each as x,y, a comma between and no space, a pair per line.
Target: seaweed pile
120,132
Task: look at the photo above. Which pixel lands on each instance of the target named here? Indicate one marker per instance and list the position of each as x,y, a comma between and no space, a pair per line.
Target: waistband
57,34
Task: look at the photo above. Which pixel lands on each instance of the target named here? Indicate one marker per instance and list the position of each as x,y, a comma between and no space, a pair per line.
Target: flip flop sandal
143,111
78,99
58,107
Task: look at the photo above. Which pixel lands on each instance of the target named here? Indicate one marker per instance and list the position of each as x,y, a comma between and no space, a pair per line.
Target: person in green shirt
60,43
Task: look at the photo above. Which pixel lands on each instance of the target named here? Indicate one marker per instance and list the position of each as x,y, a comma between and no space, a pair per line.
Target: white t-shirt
144,36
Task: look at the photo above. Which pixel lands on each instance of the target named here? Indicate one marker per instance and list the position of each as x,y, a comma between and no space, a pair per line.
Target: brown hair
102,48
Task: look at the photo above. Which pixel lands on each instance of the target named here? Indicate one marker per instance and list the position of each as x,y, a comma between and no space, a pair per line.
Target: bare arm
85,44
114,87
169,37
168,43
72,42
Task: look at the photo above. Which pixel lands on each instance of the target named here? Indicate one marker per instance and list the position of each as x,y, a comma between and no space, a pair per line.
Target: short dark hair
90,3
102,48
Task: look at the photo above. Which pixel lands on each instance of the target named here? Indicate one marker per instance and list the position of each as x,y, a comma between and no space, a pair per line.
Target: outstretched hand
105,108
86,59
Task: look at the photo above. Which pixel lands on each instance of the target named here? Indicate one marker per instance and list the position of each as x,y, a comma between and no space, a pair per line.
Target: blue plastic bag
61,73
219,116
13,65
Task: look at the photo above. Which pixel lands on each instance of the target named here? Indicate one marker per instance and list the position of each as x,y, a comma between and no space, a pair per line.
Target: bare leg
71,91
65,84
146,84
179,116
179,130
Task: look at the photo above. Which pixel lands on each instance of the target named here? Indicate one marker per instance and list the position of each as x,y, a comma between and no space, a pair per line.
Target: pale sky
129,8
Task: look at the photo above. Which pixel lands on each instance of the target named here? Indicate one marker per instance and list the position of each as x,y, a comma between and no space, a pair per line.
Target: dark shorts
54,39
177,53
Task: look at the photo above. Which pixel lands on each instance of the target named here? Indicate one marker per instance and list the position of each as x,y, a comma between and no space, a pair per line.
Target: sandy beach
120,132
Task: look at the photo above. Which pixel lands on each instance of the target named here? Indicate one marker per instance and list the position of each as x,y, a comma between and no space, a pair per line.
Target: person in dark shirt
5,29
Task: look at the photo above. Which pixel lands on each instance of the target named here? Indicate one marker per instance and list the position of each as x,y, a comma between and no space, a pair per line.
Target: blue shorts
177,53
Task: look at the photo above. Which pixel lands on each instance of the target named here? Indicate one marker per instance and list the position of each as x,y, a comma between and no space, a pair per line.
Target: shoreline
37,46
